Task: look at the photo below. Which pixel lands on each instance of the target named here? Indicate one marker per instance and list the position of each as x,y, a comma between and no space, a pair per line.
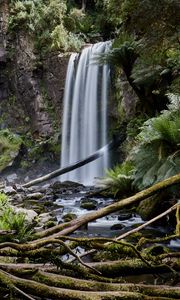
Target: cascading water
85,114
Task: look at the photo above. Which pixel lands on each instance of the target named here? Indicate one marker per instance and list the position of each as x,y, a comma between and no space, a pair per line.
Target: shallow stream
109,226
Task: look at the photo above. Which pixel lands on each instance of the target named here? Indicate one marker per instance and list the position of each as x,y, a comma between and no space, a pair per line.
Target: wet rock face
129,98
31,89
54,76
3,78
38,86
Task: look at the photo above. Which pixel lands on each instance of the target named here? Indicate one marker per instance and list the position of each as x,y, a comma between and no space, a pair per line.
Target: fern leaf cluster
157,154
120,179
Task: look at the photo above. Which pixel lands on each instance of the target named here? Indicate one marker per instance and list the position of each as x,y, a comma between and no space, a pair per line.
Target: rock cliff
31,88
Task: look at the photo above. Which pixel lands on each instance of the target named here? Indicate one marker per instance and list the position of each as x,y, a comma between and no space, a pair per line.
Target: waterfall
85,114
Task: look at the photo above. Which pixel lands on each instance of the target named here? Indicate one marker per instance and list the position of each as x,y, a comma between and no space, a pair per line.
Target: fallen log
69,227
54,241
75,165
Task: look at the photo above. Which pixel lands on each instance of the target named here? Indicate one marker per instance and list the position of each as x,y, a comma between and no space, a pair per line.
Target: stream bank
102,257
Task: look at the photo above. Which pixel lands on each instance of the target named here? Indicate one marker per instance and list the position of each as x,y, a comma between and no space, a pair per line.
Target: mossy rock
9,148
150,207
69,217
88,204
50,224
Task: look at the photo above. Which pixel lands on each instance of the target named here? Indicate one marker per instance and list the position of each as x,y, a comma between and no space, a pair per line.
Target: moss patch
9,147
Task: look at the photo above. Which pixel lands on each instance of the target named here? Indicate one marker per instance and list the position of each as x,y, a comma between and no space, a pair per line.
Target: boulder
34,196
9,190
30,214
117,227
88,204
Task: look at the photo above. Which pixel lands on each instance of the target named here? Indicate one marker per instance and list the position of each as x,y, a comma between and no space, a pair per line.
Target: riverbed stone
9,190
44,218
19,188
152,206
12,177
157,250
30,214
69,217
50,224
39,228
117,227
34,196
124,216
88,204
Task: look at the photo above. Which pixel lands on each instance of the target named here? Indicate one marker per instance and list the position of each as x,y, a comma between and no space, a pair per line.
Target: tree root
52,244
60,287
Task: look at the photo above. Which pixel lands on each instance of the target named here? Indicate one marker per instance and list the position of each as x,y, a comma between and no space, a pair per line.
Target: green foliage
10,220
157,154
63,40
134,126
44,21
3,200
156,21
44,150
152,65
9,146
123,52
111,9
120,179
81,22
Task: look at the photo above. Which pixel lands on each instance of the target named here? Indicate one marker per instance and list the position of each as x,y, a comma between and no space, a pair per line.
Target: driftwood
75,165
49,246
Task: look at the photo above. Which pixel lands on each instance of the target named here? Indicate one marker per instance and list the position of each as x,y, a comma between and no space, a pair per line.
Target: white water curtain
85,114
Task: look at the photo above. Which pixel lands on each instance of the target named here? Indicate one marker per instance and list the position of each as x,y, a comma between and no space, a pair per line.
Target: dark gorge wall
31,89
3,56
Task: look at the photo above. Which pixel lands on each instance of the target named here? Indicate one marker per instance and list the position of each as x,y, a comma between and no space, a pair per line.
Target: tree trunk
75,165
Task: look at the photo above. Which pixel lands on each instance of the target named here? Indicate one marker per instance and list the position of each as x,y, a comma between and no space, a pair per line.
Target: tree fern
123,52
168,128
157,154
119,179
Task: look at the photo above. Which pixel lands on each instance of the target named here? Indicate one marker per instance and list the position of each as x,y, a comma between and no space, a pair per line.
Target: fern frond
119,179
168,129
157,154
123,53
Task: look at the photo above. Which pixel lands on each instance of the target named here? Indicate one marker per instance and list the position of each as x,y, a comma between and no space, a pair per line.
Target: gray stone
30,214
38,228
34,196
124,216
117,227
44,218
9,190
12,177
